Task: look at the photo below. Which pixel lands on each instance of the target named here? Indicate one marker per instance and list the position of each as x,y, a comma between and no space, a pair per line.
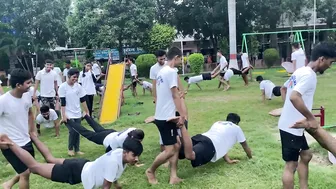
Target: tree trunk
120,48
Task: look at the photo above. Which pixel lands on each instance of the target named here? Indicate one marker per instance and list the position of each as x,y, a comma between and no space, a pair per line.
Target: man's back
268,86
303,81
300,58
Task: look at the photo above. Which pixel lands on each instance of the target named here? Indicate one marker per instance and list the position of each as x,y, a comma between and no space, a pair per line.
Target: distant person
145,86
59,73
66,69
298,56
134,75
269,90
96,69
1,89
87,79
154,70
197,79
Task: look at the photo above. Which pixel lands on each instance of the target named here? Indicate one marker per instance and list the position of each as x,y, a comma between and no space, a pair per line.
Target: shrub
144,63
271,56
196,61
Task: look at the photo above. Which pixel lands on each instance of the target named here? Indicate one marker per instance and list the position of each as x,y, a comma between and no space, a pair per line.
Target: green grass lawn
205,107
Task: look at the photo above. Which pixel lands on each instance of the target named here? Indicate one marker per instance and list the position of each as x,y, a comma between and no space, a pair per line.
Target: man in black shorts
215,143
197,79
134,75
167,102
17,121
102,172
269,89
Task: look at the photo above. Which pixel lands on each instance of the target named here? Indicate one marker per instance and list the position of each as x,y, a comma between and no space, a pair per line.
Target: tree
160,37
165,11
40,21
327,9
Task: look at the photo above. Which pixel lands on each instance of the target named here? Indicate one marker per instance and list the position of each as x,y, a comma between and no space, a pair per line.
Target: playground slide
111,102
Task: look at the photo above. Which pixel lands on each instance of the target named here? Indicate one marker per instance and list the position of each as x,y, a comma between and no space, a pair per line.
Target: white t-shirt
224,135
147,85
223,63
228,74
107,167
31,92
268,86
58,71
65,73
47,123
303,81
87,83
72,96
165,81
195,79
300,57
47,80
14,117
96,69
115,140
154,70
8,76
133,69
245,61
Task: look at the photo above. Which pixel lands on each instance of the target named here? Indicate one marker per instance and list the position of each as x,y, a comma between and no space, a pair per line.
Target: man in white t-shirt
134,75
17,122
222,67
96,69
215,143
47,79
1,89
168,101
269,90
145,86
101,173
48,119
66,69
297,113
59,73
109,138
244,62
197,79
154,70
298,56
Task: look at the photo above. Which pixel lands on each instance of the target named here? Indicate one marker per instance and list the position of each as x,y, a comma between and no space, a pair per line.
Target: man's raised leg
303,168
95,126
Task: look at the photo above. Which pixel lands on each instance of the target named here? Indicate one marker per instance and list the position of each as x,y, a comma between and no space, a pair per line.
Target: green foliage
271,56
253,45
196,61
143,63
160,37
224,46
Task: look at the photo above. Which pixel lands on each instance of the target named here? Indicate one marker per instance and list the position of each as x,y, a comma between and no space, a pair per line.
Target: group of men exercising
18,133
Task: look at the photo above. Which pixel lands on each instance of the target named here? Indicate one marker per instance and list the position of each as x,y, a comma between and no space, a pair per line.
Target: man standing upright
48,88
298,105
65,71
168,101
298,56
17,121
154,70
134,75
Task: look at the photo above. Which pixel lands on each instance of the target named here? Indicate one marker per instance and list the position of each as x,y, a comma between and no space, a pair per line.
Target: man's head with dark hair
73,74
137,134
174,55
130,61
132,150
295,45
323,55
45,111
219,53
20,80
49,65
68,64
233,117
186,78
259,78
160,56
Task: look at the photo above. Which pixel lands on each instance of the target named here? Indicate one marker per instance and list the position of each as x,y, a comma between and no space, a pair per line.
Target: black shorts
236,72
247,68
69,172
292,146
277,91
203,148
168,131
222,74
16,163
134,83
49,101
99,80
206,76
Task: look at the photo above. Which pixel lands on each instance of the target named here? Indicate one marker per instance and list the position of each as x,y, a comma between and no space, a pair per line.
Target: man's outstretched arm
247,149
187,143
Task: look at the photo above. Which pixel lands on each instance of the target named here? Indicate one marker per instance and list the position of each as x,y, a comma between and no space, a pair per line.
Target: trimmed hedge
144,63
196,61
271,56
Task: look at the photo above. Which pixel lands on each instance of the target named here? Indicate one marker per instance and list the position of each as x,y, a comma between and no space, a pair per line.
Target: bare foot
175,180
80,153
139,164
151,177
71,153
6,185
